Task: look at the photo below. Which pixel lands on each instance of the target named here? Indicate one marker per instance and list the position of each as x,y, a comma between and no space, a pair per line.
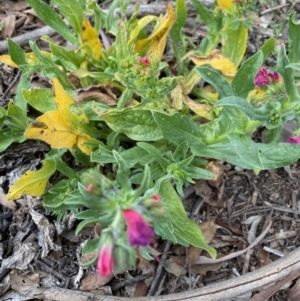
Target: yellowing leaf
91,39
217,61
237,37
32,182
156,42
142,23
225,4
62,128
6,59
200,109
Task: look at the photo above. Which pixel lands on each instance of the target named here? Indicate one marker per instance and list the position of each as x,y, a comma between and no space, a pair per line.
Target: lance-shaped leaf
32,182
294,39
243,82
156,42
234,43
216,79
62,128
91,39
217,61
287,75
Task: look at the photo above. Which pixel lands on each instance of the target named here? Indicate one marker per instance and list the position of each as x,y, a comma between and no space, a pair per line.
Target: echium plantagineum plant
140,134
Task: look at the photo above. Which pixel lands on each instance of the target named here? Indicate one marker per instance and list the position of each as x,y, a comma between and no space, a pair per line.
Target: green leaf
294,39
91,245
8,136
16,53
40,99
136,124
262,113
85,222
19,99
51,18
287,74
243,82
216,79
110,15
63,168
234,43
181,12
16,117
72,56
155,153
206,16
88,214
242,151
73,12
185,228
132,156
179,128
268,47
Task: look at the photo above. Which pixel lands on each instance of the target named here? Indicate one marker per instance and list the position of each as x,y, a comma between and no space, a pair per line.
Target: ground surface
37,252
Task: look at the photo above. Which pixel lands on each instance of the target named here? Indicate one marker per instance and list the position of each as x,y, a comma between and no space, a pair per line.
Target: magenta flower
265,77
144,60
139,233
294,140
105,262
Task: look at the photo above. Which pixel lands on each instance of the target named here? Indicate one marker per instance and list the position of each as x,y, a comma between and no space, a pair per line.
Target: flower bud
105,262
144,61
139,233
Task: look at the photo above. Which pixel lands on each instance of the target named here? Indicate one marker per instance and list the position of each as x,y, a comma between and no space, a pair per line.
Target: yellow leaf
156,42
32,182
29,57
200,109
225,4
91,39
142,23
62,128
217,61
6,59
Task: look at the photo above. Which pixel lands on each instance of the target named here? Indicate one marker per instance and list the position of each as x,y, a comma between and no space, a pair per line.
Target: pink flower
138,231
105,262
294,140
264,77
90,188
144,60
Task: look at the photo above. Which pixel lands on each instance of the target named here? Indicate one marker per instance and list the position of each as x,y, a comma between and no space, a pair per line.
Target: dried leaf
62,128
101,93
27,285
9,23
263,258
175,268
94,281
294,292
46,233
200,109
22,256
216,60
6,203
208,230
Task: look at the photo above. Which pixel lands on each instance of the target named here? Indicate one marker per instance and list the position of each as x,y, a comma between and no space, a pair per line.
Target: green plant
140,134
